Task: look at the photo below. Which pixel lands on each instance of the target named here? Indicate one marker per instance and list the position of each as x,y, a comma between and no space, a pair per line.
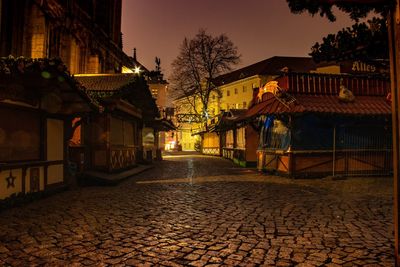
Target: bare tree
200,60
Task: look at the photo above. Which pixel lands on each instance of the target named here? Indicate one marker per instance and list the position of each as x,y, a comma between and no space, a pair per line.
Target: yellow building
188,118
237,87
234,90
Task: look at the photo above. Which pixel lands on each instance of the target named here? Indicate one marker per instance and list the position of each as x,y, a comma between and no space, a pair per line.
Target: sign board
360,67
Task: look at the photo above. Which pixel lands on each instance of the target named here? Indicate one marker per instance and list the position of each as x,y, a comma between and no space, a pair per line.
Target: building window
228,93
236,91
244,104
213,97
244,89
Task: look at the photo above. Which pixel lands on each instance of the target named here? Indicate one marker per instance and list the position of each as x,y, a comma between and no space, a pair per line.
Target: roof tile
104,82
329,104
273,65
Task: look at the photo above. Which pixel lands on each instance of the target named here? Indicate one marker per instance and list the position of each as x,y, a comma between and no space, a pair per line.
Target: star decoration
11,180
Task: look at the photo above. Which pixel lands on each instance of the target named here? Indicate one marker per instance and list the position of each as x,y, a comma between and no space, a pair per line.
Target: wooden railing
327,84
210,150
122,157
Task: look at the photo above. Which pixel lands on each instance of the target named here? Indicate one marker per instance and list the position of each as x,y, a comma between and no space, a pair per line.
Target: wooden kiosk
112,139
38,100
233,138
308,129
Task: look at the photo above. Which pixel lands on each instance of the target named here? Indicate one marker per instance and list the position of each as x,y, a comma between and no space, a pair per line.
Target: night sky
259,28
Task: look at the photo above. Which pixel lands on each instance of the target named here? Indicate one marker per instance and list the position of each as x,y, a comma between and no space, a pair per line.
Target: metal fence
362,151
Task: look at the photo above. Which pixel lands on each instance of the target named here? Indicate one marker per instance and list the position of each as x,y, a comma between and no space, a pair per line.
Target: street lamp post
394,50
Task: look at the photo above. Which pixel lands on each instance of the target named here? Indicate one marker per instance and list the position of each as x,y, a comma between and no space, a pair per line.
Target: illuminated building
85,35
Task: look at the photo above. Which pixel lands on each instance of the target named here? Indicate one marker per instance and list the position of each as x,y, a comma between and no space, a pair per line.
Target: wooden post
107,127
334,151
394,50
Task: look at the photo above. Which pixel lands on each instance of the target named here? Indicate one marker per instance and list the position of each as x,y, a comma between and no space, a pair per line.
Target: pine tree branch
360,2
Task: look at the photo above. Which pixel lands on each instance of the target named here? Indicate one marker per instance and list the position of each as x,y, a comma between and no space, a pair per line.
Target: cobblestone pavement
197,210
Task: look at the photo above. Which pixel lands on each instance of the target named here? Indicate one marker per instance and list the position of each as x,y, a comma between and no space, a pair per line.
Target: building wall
159,92
187,139
238,94
39,29
36,33
214,105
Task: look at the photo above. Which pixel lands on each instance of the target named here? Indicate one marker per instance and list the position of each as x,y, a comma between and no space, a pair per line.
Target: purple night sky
259,28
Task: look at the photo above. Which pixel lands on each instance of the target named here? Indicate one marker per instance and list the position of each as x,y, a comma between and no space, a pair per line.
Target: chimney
134,53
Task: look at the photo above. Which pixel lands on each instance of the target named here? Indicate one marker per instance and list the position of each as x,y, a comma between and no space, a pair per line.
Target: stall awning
124,86
362,105
328,104
43,83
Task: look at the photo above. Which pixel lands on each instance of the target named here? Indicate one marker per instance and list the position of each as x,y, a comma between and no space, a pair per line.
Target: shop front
120,134
211,143
38,99
308,129
238,138
114,137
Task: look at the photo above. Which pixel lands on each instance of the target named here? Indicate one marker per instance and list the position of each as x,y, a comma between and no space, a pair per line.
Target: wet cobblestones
200,211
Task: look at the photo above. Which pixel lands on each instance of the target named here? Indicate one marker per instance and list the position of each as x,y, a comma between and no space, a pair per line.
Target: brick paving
200,211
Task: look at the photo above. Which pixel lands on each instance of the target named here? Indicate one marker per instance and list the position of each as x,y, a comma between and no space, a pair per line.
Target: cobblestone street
202,211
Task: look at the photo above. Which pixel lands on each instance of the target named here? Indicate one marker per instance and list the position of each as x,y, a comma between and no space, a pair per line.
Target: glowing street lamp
137,70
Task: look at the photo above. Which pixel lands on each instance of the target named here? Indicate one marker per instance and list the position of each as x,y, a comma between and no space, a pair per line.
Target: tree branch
356,2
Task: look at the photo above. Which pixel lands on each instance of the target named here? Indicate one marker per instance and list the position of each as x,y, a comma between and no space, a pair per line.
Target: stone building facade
85,34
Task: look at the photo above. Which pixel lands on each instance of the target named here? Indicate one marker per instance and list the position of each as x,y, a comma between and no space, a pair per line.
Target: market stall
318,125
